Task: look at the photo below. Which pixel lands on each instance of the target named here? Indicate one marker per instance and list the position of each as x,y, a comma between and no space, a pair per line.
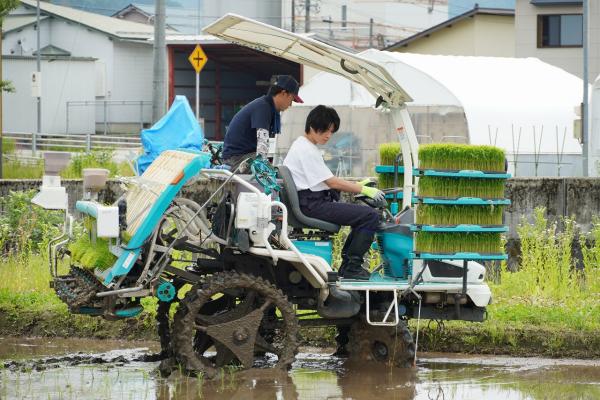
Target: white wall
62,80
569,59
132,80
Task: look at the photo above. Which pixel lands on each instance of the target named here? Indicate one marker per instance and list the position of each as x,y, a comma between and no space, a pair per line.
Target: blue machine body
395,243
321,248
131,253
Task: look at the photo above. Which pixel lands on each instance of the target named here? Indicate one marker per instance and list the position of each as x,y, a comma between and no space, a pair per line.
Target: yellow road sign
198,58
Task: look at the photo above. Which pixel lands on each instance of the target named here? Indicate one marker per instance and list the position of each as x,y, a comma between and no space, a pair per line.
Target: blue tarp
177,129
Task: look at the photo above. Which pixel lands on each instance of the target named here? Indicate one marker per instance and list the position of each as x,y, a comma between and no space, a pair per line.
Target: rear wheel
234,319
391,345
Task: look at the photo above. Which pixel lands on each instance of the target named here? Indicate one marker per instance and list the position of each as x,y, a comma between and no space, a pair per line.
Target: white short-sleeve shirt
306,164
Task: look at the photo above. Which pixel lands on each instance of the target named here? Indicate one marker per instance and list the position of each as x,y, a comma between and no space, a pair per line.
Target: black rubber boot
361,242
345,253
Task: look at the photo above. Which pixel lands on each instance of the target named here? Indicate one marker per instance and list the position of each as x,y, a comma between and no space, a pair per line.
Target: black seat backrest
289,197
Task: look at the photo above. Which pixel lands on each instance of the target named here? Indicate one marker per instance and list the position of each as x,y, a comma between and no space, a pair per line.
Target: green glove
365,182
373,193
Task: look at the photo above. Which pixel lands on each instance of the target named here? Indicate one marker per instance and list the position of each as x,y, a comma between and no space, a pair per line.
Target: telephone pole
307,18
160,60
585,112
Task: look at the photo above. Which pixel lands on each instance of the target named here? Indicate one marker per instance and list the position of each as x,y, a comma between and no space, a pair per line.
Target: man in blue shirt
249,131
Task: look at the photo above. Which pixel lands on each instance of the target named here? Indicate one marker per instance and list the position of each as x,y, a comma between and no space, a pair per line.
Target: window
558,30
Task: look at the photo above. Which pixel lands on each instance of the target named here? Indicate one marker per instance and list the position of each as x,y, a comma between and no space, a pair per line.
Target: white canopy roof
495,93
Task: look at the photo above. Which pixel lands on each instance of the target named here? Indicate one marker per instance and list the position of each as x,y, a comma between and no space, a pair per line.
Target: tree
5,86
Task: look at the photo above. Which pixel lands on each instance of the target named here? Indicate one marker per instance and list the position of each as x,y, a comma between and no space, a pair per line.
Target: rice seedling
432,186
91,255
386,181
387,156
442,242
388,153
433,214
461,157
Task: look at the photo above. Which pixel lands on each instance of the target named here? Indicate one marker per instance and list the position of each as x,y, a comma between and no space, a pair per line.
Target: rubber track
397,338
183,326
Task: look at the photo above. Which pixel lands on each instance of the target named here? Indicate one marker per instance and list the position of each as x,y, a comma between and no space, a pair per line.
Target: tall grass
546,271
24,227
15,169
591,257
461,157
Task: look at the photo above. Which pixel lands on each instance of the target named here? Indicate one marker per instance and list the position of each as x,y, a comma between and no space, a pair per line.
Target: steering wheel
265,175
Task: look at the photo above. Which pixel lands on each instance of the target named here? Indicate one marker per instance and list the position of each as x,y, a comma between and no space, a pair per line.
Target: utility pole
584,110
293,16
38,60
371,33
160,59
1,96
307,18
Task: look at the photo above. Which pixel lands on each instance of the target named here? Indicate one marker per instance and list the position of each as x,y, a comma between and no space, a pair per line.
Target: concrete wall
482,35
563,197
569,59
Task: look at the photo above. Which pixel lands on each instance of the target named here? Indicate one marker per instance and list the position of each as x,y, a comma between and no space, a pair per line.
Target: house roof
475,11
556,2
14,22
184,20
117,28
53,51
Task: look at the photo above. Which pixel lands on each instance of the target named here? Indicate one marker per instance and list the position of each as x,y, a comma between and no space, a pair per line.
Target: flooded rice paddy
95,369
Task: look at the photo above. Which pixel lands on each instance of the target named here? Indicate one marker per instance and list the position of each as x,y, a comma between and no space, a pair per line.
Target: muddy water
60,369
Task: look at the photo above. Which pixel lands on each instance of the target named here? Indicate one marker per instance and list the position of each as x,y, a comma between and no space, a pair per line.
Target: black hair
274,90
321,118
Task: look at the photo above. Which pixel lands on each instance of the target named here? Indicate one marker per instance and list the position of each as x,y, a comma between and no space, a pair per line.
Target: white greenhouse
523,105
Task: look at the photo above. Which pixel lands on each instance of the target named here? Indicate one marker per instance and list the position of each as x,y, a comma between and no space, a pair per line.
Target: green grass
461,157
13,169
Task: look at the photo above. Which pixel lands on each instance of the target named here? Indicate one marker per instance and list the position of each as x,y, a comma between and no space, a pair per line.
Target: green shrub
25,227
94,159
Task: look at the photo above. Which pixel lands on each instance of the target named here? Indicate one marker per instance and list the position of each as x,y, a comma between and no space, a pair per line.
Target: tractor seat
289,197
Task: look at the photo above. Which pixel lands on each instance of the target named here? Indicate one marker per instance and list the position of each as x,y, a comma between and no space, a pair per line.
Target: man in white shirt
317,188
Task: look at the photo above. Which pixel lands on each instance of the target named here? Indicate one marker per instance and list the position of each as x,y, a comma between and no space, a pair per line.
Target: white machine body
52,196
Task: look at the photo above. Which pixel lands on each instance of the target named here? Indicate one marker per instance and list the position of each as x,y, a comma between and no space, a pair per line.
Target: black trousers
321,205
